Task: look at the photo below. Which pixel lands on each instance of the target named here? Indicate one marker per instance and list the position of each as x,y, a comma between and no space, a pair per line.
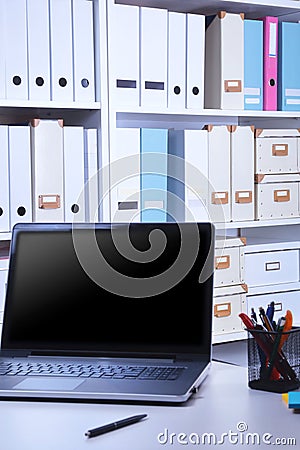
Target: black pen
114,425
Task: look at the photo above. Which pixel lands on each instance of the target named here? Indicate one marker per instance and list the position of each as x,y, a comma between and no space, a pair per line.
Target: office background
97,85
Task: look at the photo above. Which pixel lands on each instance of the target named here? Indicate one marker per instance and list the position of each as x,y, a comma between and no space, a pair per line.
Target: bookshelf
106,114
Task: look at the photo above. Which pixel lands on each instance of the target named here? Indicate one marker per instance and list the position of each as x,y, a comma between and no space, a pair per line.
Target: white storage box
276,151
229,302
229,261
283,301
277,200
276,267
3,279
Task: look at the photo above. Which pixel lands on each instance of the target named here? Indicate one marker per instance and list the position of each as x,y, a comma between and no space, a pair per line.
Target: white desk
223,401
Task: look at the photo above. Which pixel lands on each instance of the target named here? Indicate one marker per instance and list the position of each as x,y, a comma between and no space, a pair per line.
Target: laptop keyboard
90,370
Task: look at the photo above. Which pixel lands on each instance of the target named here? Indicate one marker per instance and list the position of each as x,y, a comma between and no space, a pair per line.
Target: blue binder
289,67
154,146
176,176
253,64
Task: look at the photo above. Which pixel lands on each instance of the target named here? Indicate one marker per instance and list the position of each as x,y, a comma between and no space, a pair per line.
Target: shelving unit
107,115
74,113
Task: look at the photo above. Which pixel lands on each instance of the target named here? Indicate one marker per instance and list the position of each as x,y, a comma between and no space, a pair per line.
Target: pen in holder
274,360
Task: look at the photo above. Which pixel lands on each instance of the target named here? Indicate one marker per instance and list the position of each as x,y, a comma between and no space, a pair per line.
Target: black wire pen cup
274,360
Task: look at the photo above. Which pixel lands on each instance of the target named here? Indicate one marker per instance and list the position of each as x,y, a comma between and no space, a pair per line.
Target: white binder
14,15
176,60
224,62
195,61
83,51
61,50
125,175
123,58
2,53
91,175
153,51
74,174
47,170
188,175
219,173
19,174
4,180
38,50
242,173
3,280
196,175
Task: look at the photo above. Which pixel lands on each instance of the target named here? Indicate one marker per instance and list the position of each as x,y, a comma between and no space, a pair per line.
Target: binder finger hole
75,208
272,82
17,80
85,82
62,82
195,90
1,212
177,90
39,81
21,211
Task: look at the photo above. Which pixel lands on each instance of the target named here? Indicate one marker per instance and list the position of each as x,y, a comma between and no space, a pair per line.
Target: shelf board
251,8
128,113
255,245
229,337
5,236
257,223
49,105
272,289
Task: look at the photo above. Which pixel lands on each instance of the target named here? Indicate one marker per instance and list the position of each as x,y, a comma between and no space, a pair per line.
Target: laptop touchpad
42,384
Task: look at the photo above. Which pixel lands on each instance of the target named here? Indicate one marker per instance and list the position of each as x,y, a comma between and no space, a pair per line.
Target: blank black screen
53,304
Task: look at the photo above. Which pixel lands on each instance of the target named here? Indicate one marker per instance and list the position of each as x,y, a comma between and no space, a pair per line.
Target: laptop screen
110,288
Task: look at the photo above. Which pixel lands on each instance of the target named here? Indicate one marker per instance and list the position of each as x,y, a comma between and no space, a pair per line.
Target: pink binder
270,63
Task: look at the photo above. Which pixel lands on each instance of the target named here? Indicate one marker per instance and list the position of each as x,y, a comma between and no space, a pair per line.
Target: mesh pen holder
270,369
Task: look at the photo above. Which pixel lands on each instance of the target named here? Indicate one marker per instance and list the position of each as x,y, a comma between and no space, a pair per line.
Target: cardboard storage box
276,151
229,302
272,267
229,261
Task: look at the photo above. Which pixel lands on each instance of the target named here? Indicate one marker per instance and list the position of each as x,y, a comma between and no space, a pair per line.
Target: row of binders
268,58
183,175
156,57
47,50
220,173
48,173
163,59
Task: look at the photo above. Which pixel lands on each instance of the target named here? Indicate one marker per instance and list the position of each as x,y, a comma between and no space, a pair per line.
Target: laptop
107,311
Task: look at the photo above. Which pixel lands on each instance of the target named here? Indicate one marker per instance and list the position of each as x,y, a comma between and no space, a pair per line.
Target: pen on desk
114,425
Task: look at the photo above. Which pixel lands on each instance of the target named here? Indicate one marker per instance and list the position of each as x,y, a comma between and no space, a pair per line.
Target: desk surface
224,403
